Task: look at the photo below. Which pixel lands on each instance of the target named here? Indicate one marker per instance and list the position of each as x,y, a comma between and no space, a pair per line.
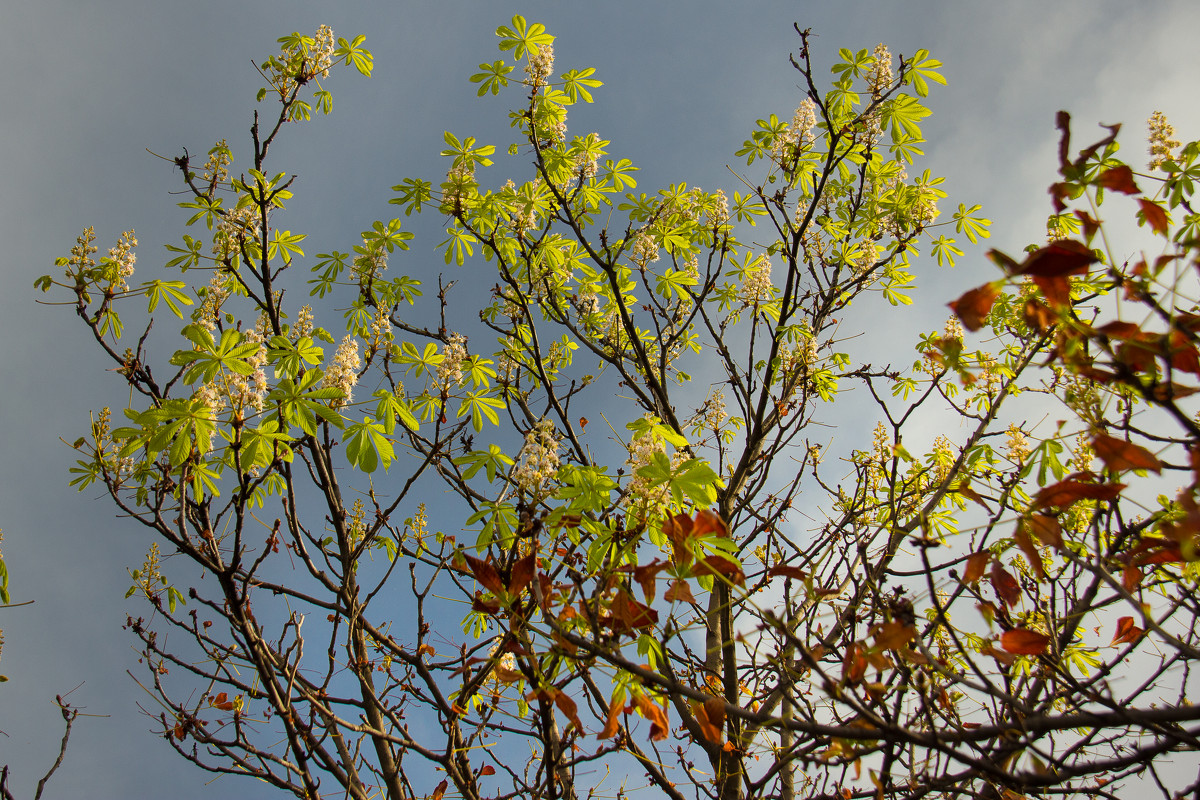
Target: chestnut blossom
539,458
342,374
756,282
540,65
1162,141
1015,443
450,373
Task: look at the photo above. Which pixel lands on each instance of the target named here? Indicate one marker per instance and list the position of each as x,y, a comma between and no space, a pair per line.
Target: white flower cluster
450,373
643,249
304,323
235,391
539,458
719,213
540,65
322,54
953,329
1162,141
639,493
756,282
1016,444
210,308
342,374
216,168
237,225
120,261
798,134
880,76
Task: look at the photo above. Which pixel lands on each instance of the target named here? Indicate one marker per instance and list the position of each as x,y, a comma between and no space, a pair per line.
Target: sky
92,87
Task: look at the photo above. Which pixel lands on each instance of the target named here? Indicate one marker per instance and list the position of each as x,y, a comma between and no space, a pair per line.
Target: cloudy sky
91,87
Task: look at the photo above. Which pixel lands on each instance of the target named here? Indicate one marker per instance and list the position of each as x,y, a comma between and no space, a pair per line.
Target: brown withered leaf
976,566
1003,261
974,306
485,573
1120,455
1024,642
679,592
710,522
1068,492
1127,632
1005,658
710,715
1090,225
630,615
487,769
647,574
893,635
1005,585
484,606
1183,353
679,530
854,666
1154,214
1058,259
439,791
1119,179
1056,289
522,574
966,491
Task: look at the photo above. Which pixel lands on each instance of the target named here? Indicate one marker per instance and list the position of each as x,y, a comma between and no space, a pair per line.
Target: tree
640,595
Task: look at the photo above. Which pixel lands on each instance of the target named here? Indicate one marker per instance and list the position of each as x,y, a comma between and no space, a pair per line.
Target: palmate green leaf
290,358
903,113
260,445
577,83
522,37
921,70
492,78
675,282
974,227
367,446
499,522
391,407
354,53
183,425
481,407
191,254
207,209
944,250
203,480
285,243
419,363
229,354
413,193
458,245
299,403
171,292
465,153
493,461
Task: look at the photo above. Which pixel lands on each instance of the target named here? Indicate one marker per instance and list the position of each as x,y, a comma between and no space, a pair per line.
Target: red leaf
645,576
630,615
1131,577
1005,585
1056,289
1068,492
1183,353
1023,540
1024,642
795,573
1037,315
976,564
1120,455
487,769
659,727
1058,260
1127,632
727,568
484,606
973,307
1119,179
710,522
1155,216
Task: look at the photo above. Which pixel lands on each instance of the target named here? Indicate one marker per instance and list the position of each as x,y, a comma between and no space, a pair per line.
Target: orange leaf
710,522
1120,455
1037,315
711,717
679,592
1127,632
893,635
439,791
1119,179
1131,577
1005,585
567,706
487,769
1155,216
646,575
1068,492
425,648
966,491
583,423
976,564
1024,642
854,666
1056,289
612,725
795,573
629,615
659,727
973,307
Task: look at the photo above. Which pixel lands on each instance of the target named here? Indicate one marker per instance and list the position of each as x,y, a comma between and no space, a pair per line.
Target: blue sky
90,87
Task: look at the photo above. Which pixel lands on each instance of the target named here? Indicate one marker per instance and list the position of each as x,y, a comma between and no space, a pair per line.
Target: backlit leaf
1024,642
